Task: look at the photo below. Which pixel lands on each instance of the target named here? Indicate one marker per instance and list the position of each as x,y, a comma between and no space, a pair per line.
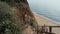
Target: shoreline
41,20
47,18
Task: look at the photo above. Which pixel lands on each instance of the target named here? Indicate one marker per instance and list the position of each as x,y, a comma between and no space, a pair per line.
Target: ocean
47,8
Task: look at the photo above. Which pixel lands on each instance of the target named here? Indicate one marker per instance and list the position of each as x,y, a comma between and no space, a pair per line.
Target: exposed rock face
20,13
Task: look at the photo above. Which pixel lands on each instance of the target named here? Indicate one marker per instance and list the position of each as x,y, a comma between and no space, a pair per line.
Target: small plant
32,24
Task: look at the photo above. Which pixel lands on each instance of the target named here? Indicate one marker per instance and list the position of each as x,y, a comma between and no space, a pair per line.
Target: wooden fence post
50,29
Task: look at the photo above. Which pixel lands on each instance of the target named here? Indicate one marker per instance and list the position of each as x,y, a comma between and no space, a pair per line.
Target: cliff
15,16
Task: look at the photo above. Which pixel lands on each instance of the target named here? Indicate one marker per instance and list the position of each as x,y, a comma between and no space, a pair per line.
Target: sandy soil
28,31
41,21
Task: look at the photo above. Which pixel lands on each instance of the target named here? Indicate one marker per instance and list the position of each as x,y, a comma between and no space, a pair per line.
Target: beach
48,22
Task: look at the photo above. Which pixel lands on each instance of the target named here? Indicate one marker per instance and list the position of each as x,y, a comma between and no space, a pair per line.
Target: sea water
46,8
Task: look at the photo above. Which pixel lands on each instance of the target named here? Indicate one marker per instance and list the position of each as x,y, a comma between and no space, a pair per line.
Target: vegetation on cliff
14,15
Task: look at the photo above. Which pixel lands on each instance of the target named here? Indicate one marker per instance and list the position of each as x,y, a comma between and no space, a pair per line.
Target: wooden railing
43,29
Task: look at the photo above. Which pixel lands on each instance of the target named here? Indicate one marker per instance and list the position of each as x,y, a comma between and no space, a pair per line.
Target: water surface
47,8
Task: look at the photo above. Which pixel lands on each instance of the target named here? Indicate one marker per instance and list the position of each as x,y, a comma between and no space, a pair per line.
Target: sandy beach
48,22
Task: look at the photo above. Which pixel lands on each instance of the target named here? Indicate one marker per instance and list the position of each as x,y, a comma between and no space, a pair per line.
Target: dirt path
28,30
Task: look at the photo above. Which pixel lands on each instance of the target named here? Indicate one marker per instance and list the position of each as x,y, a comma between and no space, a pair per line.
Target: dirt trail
28,30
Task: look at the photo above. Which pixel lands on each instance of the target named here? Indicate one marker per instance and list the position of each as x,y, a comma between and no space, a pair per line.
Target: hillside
15,17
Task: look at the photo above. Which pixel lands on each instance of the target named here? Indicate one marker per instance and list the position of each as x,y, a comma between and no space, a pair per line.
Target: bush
7,24
33,24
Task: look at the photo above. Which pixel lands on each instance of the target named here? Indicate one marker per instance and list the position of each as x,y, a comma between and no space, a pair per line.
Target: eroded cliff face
20,15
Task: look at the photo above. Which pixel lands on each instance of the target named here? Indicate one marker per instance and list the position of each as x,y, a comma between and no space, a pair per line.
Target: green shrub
7,24
32,23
